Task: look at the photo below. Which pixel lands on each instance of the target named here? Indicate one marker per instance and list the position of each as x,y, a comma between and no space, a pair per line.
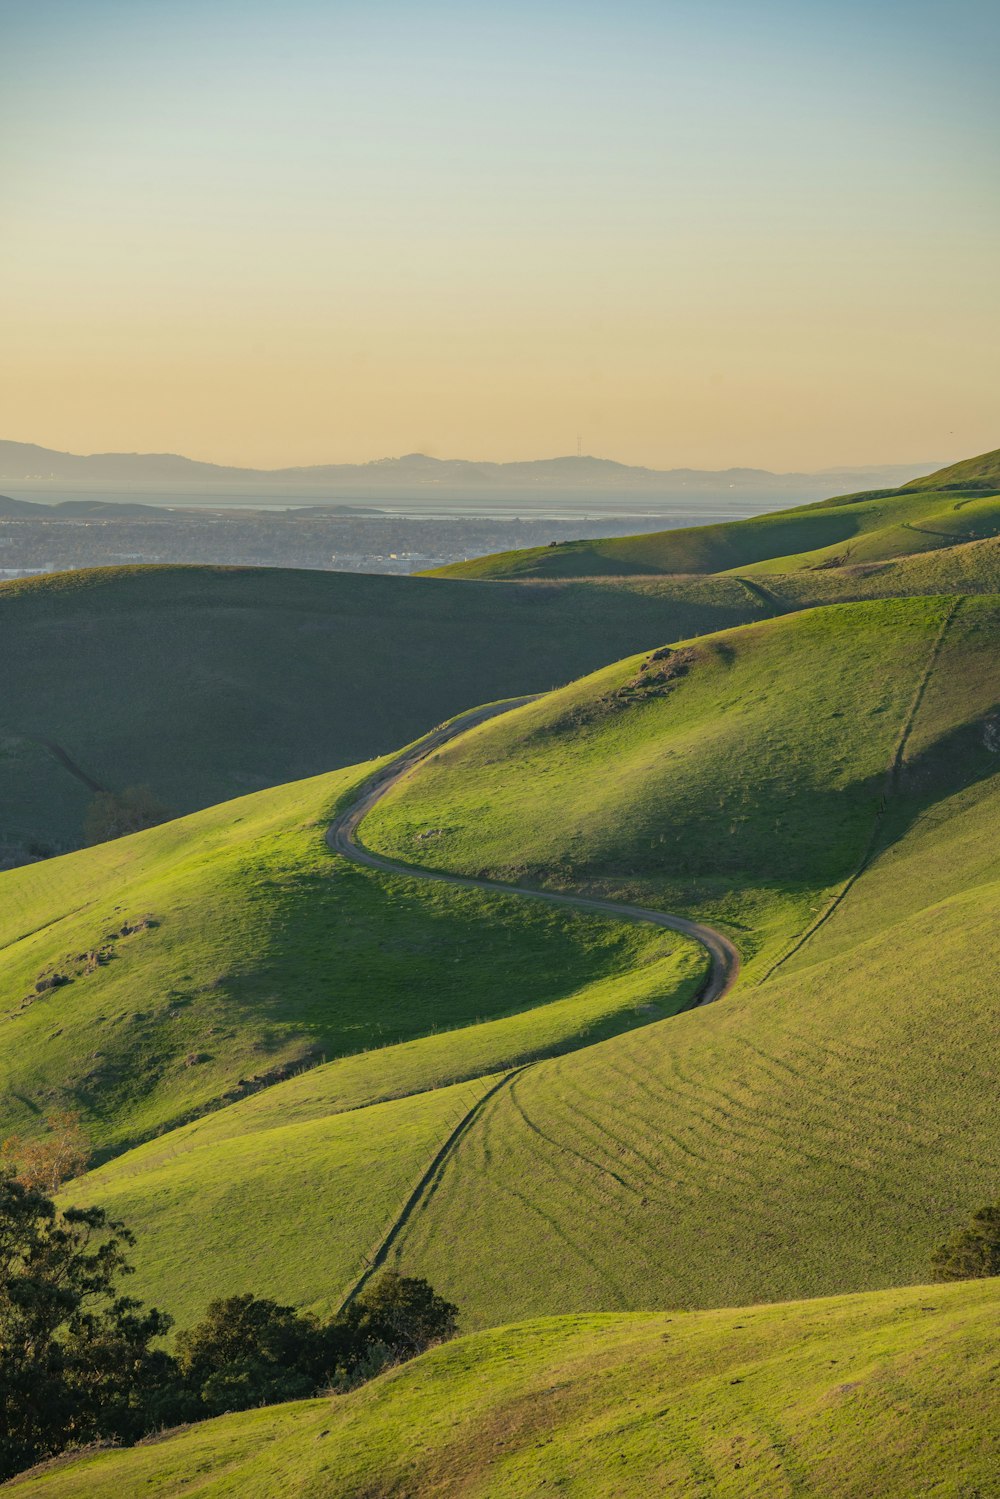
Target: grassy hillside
958,504
891,1394
206,683
203,959
715,1153
737,778
708,1159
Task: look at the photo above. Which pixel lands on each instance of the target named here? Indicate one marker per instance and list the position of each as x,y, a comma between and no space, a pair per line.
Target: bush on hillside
973,1252
113,814
43,1164
248,1351
77,1361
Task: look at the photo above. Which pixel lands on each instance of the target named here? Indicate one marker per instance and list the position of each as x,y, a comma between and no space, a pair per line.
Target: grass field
704,1159
516,1103
741,790
956,505
718,1153
228,948
205,683
891,1394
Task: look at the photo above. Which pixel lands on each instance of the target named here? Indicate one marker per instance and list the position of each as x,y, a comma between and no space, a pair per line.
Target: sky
707,234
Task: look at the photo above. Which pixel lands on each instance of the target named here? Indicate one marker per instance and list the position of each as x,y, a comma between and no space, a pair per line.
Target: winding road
342,837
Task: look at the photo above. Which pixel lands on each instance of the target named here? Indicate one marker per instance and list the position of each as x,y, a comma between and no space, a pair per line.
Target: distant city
313,538
401,515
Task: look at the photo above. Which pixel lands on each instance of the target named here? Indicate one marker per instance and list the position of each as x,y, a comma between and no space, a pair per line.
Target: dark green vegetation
205,683
77,1361
972,1251
893,1394
956,505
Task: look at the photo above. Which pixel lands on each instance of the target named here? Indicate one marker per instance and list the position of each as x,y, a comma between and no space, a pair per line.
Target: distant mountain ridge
28,466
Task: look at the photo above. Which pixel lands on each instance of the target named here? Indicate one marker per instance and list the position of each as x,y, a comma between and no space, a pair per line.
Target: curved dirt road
342,839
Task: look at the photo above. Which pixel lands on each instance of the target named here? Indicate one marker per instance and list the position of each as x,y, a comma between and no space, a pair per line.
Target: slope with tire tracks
724,957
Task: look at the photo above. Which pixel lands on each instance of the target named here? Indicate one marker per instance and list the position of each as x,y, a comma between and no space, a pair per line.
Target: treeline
80,1362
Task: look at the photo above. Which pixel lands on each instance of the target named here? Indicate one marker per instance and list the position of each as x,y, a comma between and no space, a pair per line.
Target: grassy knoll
818,1131
205,683
891,1394
218,952
958,504
741,788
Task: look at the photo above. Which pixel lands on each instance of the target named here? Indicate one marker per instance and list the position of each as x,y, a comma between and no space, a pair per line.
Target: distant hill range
26,467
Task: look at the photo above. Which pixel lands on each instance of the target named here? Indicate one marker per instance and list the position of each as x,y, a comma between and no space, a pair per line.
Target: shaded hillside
205,683
841,1398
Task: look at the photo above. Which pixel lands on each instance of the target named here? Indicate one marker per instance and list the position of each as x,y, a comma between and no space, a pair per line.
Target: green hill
891,1394
151,978
749,788
824,786
955,505
207,683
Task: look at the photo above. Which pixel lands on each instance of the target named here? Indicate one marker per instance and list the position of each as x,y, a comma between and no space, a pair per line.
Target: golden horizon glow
693,235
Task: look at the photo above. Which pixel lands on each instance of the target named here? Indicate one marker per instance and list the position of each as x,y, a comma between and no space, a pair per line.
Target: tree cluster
81,1363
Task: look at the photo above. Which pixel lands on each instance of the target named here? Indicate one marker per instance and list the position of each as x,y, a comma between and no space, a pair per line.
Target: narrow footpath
342,837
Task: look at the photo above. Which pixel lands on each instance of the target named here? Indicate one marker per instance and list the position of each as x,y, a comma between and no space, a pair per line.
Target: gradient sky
699,233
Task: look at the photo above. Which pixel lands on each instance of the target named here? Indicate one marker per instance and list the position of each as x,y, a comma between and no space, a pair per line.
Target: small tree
43,1164
972,1252
248,1351
400,1313
75,1360
113,814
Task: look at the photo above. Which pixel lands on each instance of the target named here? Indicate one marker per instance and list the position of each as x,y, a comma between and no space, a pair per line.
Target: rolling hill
827,792
891,1393
517,1100
150,979
955,505
771,775
205,683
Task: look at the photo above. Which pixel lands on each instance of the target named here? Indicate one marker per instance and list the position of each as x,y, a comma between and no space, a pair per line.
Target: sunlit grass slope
891,1394
743,785
146,980
958,504
328,1159
821,1130
205,683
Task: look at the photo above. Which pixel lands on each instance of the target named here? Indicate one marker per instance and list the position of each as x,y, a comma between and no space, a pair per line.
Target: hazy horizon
686,235
374,460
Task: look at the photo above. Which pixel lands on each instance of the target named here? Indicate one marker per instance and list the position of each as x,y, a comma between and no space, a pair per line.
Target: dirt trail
342,839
